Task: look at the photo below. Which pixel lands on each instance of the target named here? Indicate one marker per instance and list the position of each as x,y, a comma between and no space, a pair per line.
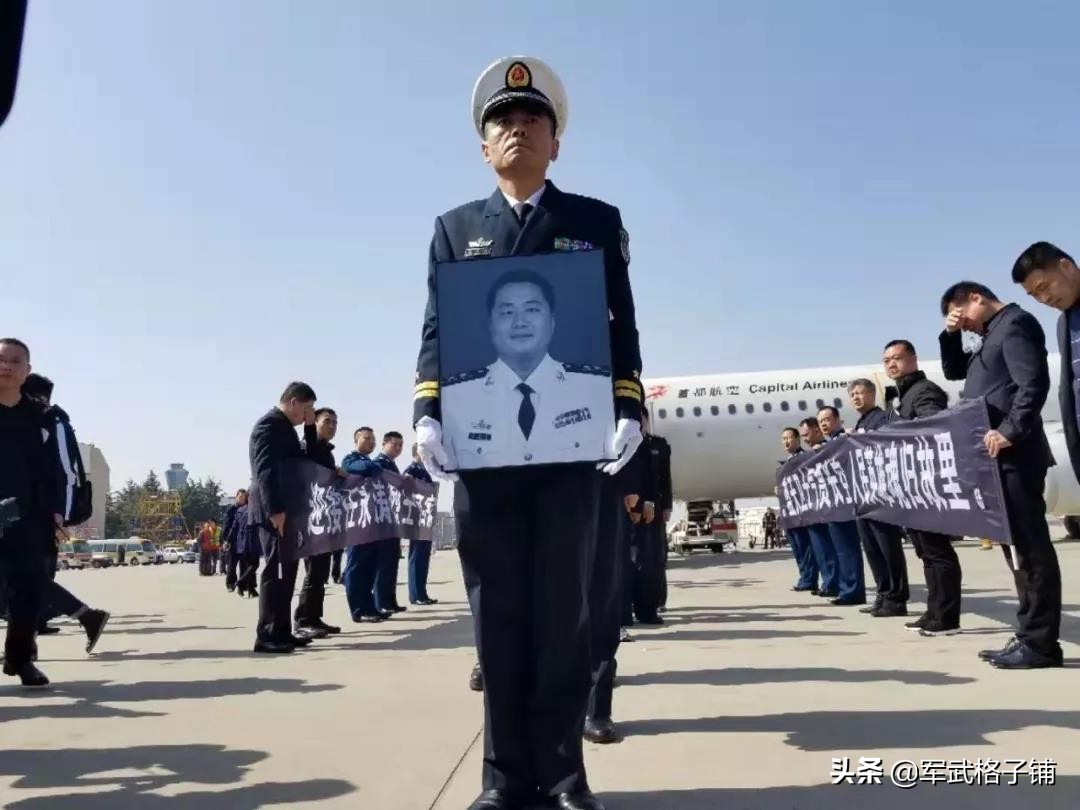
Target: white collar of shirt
533,198
541,377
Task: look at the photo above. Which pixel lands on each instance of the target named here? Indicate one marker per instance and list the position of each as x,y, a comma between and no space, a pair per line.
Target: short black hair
1038,256
37,387
360,430
962,291
789,430
810,421
320,411
391,434
522,277
19,343
907,344
831,409
298,390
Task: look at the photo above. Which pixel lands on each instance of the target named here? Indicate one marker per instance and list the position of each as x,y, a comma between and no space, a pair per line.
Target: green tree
200,501
152,484
120,510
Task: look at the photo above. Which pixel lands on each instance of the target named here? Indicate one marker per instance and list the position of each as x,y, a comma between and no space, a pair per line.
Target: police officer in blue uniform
528,539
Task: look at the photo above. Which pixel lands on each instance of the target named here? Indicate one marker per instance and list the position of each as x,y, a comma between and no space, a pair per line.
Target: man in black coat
632,490
1010,371
881,542
919,398
318,447
1050,276
273,442
528,539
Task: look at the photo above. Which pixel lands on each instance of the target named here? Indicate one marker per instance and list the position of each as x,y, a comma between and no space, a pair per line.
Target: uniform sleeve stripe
428,386
434,394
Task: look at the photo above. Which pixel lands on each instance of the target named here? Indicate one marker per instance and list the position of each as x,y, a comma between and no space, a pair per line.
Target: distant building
176,477
97,473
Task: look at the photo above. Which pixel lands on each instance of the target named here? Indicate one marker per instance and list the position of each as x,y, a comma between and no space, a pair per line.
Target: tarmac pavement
743,699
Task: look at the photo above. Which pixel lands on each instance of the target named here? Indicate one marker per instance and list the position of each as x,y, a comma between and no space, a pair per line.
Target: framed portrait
525,360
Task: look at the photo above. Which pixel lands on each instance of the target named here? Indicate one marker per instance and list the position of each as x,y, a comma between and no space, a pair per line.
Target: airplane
724,429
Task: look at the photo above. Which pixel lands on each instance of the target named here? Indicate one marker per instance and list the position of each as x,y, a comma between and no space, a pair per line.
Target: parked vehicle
135,553
173,554
104,553
76,554
153,552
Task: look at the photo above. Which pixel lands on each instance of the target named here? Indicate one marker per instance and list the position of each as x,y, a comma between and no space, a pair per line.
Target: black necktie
526,413
522,210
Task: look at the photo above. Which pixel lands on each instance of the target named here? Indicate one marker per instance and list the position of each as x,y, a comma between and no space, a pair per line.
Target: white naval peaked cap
519,78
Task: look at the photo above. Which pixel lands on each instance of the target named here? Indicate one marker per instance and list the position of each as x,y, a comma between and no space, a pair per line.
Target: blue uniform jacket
358,464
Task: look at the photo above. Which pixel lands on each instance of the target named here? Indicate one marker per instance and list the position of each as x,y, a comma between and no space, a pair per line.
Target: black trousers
56,600
629,565
309,607
526,541
941,567
247,576
335,567
232,562
650,576
277,581
884,550
606,595
1038,575
21,562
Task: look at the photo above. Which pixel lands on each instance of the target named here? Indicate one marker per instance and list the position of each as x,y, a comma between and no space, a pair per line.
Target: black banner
329,512
932,474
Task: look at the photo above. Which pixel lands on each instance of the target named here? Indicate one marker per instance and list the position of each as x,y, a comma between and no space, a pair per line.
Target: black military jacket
490,228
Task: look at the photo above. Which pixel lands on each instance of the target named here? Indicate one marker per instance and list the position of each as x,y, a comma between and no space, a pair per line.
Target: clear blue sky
203,200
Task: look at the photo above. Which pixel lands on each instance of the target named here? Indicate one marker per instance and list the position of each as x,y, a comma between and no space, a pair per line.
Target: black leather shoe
424,602
47,630
582,800
273,647
828,594
310,631
599,730
1023,657
625,637
847,602
918,624
476,679
29,675
989,655
889,610
386,614
328,628
373,618
299,641
814,592
496,800
935,628
651,621
878,602
397,609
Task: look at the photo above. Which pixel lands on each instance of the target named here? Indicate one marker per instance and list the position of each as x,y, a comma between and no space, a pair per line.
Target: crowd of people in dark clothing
1009,368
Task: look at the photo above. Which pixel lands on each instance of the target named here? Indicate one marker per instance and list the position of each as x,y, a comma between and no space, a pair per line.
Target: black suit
273,442
1066,397
528,537
1010,370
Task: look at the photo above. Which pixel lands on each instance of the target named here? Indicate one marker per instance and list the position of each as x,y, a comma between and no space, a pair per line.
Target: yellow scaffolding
159,517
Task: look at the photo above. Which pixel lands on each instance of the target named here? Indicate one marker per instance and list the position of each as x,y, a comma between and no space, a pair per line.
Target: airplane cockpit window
697,411
679,412
663,413
732,409
749,407
715,410
767,407
784,405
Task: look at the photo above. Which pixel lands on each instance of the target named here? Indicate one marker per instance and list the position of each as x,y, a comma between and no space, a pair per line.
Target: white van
118,552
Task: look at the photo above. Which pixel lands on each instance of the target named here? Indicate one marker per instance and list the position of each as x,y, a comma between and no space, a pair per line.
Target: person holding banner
851,579
389,550
273,443
527,542
920,398
419,550
362,560
799,536
1011,373
820,541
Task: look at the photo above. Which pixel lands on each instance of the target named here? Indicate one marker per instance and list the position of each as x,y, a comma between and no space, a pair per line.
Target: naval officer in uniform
526,407
527,540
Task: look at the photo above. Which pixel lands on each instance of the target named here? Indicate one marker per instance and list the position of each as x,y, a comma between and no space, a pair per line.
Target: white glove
429,445
628,439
